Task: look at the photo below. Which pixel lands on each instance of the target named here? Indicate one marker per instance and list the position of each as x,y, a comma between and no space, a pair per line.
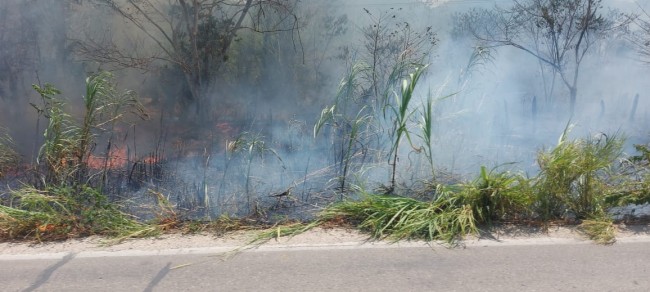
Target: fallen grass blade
600,230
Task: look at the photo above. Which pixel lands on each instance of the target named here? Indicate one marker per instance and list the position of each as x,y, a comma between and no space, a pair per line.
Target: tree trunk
572,99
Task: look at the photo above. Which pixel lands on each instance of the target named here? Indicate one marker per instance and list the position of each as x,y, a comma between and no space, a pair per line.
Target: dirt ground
504,235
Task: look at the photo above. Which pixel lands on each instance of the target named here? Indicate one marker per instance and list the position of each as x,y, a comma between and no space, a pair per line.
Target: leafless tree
558,33
641,38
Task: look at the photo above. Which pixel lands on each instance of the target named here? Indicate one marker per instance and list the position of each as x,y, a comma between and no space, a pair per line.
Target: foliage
58,150
63,204
248,146
426,123
351,131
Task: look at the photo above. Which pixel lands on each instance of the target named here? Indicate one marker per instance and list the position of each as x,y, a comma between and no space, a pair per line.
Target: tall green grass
402,112
397,218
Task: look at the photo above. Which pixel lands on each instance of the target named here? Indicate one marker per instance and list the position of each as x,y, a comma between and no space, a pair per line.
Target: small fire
225,129
117,158
46,227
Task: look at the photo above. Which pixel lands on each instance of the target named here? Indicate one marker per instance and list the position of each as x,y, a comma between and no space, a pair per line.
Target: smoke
259,142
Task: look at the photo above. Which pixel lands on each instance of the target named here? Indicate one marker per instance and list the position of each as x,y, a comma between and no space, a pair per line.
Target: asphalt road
528,267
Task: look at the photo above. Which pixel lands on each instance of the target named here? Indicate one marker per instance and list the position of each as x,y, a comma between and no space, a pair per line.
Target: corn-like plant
104,107
58,150
67,143
248,146
351,128
426,129
401,114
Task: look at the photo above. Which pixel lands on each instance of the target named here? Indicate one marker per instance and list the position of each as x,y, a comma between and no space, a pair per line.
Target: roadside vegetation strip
578,180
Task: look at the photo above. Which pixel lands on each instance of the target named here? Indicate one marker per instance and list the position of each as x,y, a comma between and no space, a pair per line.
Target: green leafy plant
427,120
401,114
632,180
573,175
498,195
67,143
58,149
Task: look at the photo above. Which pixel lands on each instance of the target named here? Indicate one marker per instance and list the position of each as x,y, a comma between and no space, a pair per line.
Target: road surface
568,266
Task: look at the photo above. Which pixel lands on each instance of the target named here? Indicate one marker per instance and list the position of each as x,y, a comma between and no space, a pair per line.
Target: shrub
573,176
498,196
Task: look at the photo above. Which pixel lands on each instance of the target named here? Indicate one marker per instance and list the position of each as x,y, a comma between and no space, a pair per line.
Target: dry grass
600,230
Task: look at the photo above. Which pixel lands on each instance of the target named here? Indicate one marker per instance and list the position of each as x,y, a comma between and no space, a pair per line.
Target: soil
318,237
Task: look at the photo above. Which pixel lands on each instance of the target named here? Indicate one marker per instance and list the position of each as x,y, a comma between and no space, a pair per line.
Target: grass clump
398,218
58,213
496,196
